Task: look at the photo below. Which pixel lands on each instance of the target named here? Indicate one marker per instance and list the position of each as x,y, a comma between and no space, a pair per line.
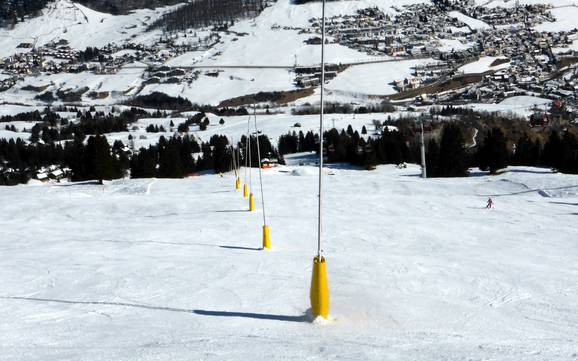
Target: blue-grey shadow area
412,175
142,242
242,248
83,183
258,316
565,203
543,171
529,191
473,174
121,304
233,211
222,192
342,166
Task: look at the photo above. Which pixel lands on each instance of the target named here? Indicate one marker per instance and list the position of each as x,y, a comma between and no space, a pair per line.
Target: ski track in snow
171,269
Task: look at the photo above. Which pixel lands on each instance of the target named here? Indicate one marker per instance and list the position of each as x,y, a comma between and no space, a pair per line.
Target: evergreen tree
569,163
170,163
553,153
493,154
432,156
222,155
527,152
98,161
452,160
143,164
288,143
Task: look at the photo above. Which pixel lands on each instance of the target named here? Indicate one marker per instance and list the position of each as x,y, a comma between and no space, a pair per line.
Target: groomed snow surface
171,269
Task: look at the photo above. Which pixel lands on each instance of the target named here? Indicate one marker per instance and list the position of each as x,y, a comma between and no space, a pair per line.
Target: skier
490,203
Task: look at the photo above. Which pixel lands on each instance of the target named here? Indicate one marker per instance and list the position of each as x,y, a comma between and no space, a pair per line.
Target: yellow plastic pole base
238,184
319,294
251,203
266,238
245,191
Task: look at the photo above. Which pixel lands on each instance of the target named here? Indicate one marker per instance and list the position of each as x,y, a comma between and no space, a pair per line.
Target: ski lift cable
260,166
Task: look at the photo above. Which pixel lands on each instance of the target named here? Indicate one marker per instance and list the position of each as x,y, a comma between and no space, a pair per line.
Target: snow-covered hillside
171,269
264,54
81,26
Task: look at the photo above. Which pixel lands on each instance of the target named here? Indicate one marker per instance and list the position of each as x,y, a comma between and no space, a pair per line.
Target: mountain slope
168,269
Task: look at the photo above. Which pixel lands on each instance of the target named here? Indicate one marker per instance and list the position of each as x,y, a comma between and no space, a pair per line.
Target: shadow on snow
257,316
539,190
242,248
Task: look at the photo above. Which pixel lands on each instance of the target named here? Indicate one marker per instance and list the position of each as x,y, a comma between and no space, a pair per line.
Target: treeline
95,160
116,7
88,123
202,13
28,117
173,158
158,100
12,11
559,151
344,108
170,158
446,155
348,146
450,158
266,149
24,159
297,143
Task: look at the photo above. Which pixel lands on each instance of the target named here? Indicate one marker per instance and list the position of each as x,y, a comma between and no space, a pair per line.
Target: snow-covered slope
78,24
521,105
472,23
484,64
375,79
170,269
275,38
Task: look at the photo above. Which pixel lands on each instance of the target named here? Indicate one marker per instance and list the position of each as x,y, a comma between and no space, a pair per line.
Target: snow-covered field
473,24
65,19
374,79
519,105
230,83
483,65
171,269
565,19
